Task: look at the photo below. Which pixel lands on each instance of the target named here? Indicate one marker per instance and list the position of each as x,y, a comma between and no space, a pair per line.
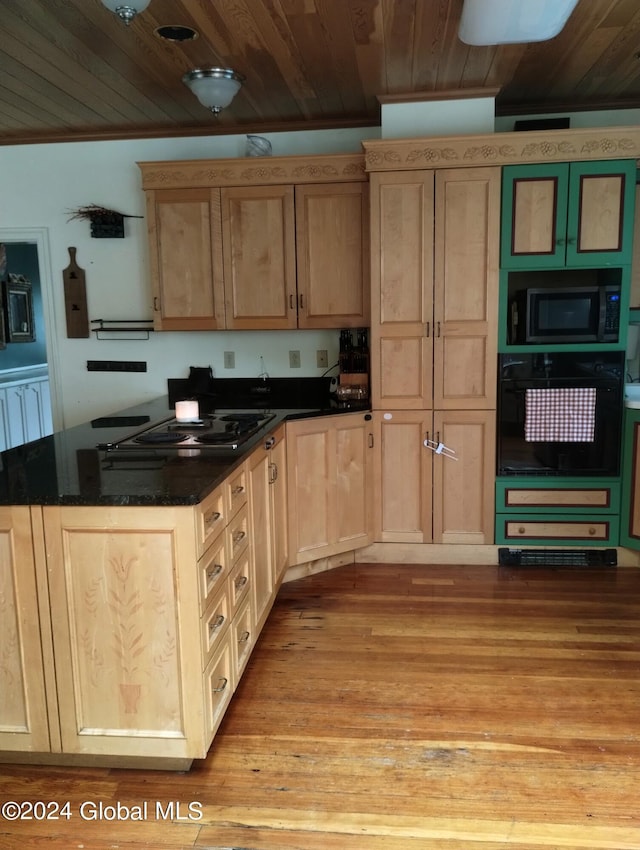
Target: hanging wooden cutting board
75,298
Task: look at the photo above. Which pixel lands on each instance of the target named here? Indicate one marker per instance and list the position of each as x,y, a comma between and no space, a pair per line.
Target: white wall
41,184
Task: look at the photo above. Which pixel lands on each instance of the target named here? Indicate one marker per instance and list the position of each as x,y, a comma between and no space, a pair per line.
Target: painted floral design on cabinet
124,617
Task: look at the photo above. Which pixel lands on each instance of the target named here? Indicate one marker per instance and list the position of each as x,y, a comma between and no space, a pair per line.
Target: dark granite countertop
67,468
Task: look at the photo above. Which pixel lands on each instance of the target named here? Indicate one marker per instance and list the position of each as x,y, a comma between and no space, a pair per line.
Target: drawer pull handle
244,637
273,473
238,536
214,516
216,624
522,529
237,490
214,571
241,581
222,684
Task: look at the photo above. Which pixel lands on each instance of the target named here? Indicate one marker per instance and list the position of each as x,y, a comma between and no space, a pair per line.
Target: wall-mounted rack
122,328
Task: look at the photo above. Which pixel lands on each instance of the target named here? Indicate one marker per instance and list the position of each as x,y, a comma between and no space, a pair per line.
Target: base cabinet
329,464
427,497
563,511
268,516
25,412
23,709
124,630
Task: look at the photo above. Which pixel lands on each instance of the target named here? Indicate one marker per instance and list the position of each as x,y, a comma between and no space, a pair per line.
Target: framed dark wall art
18,309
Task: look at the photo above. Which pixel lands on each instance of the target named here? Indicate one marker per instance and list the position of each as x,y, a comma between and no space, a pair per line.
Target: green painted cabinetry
574,512
568,215
630,508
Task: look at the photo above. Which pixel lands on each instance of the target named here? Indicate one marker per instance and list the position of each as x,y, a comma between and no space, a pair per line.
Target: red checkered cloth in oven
565,415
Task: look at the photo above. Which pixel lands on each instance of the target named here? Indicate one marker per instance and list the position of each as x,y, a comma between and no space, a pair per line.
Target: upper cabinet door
258,227
332,244
534,215
601,213
402,216
568,215
185,257
466,288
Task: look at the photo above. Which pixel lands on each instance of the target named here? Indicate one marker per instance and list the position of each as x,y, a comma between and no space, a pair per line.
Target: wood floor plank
403,707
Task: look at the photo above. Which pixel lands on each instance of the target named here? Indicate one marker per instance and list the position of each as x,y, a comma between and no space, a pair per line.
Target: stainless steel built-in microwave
565,314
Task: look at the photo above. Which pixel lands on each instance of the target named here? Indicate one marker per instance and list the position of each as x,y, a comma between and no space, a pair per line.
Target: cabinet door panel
353,486
467,234
332,247
126,629
463,509
601,212
328,468
259,257
534,215
186,259
23,712
402,216
402,477
310,450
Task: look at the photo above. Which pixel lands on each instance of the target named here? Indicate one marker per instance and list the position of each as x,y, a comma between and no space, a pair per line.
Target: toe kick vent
557,557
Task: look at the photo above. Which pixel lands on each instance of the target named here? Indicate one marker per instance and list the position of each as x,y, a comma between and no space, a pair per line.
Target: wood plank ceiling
71,70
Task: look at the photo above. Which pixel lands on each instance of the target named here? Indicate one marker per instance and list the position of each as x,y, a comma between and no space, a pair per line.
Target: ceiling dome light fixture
126,10
485,22
215,88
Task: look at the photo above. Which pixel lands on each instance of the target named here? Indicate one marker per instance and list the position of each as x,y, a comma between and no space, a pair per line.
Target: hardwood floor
401,707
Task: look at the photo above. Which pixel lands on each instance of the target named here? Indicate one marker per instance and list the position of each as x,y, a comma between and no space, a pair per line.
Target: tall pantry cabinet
434,239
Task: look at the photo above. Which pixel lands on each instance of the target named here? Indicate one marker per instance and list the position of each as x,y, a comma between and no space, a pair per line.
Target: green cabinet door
568,215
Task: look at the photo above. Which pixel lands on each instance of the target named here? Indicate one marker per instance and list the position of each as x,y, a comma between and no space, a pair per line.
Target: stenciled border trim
503,148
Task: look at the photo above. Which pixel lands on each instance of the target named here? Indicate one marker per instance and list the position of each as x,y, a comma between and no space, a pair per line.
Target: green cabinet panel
554,529
568,215
557,497
630,507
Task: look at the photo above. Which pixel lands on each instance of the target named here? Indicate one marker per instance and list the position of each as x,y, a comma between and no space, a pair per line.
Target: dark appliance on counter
598,377
225,430
565,314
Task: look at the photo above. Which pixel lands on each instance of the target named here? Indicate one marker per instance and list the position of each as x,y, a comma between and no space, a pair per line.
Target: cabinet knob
238,536
240,582
244,637
592,531
237,490
522,529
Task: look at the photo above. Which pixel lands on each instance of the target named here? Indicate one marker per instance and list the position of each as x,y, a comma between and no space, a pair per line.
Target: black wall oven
560,413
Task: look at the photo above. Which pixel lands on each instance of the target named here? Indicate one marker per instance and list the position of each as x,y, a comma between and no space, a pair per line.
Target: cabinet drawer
594,530
566,498
238,534
235,490
210,519
239,581
213,625
242,638
218,689
212,571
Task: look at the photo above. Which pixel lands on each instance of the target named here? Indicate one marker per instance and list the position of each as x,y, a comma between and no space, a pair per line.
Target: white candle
187,411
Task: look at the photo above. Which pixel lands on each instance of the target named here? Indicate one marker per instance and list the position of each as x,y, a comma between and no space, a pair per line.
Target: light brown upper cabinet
258,238
296,257
283,244
434,274
332,244
185,259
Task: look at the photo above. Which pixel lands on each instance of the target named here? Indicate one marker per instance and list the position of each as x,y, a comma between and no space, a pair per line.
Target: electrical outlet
229,360
294,359
322,358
